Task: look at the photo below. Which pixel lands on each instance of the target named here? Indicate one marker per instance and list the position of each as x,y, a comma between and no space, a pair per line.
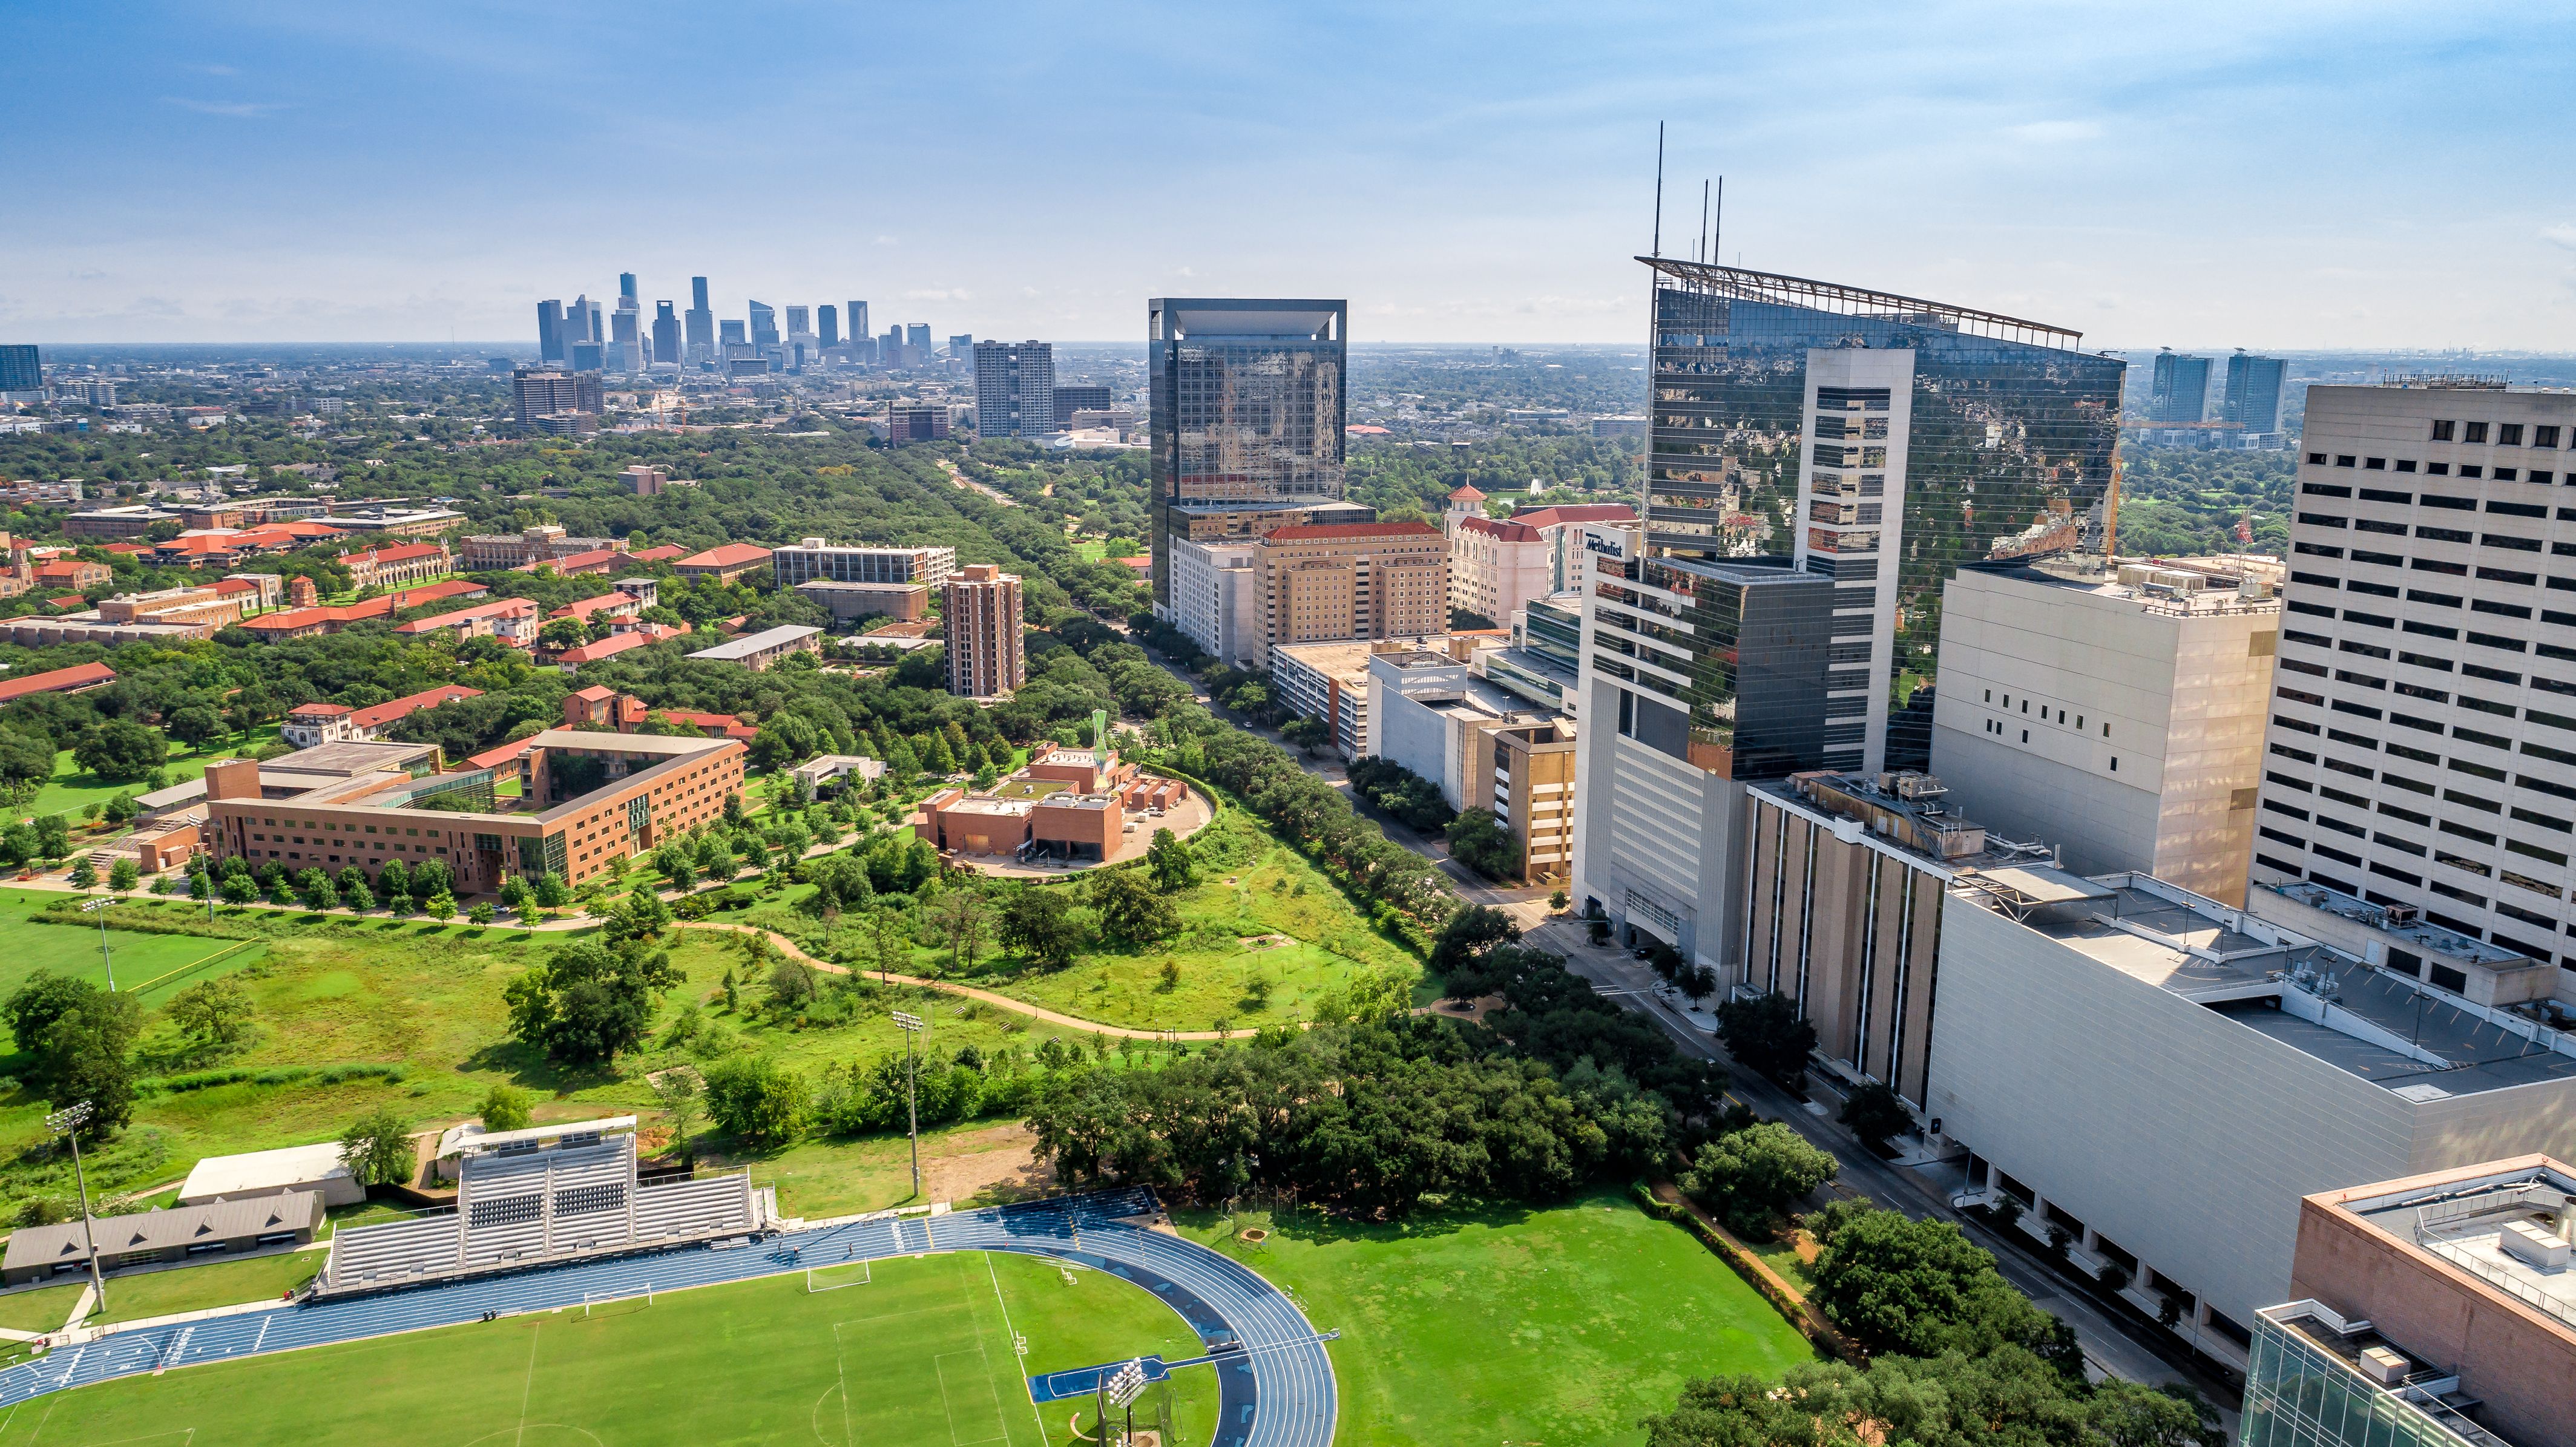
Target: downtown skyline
2299,178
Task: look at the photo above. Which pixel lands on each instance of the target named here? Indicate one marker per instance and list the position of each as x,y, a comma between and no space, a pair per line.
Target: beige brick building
980,604
1352,580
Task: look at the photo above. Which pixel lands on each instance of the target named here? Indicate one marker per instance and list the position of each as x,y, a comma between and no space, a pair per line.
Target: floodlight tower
93,907
911,1026
67,1122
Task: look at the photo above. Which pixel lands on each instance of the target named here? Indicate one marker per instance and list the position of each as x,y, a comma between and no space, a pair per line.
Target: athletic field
912,1351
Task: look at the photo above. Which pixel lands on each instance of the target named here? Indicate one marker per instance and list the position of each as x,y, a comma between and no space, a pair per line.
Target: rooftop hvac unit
2385,1365
2395,915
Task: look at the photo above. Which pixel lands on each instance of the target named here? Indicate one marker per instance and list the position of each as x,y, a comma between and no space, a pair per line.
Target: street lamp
93,907
67,1122
911,1026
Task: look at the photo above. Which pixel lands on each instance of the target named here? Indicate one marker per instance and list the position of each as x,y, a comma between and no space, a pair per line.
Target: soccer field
903,1352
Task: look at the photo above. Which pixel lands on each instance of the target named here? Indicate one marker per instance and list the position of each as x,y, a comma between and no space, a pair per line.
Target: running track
1277,1392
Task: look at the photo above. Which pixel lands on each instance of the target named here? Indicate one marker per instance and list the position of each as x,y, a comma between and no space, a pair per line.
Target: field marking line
949,1405
528,1387
53,1400
996,1278
841,1370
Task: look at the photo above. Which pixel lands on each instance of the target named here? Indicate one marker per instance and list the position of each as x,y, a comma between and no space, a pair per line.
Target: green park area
166,1292
910,1352
73,789
1514,1325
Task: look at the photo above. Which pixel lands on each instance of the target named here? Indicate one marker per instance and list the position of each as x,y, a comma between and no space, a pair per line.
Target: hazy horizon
2283,178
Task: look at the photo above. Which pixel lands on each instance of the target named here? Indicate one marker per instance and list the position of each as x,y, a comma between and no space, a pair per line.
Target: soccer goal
615,1303
834,1277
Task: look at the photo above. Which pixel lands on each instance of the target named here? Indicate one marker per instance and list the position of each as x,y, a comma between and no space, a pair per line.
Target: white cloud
2056,132
2561,235
246,110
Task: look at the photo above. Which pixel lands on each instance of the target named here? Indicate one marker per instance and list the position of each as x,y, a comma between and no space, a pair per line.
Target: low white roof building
267,1173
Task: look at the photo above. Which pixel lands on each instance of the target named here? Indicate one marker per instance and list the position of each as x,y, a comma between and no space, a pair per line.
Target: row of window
2442,469
2043,712
2507,434
1999,729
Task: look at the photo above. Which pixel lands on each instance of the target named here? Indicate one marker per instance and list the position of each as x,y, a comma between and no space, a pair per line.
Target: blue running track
1276,1391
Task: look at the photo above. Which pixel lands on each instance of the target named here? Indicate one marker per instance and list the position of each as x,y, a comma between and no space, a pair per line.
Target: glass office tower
1881,441
1246,412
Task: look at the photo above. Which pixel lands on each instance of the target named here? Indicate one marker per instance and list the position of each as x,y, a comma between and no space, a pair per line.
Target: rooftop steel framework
1825,296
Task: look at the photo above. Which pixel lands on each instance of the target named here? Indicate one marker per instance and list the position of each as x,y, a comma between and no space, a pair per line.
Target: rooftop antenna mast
1703,253
1659,188
1717,237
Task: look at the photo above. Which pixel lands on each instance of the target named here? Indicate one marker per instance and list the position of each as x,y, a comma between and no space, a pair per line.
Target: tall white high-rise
2422,750
1014,389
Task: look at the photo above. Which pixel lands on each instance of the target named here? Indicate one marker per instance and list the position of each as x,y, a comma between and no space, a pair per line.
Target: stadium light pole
67,1122
911,1026
1124,1388
93,907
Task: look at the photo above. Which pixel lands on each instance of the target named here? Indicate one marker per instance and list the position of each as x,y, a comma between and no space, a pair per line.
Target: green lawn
46,1308
217,1283
139,959
921,1353
1549,1326
73,787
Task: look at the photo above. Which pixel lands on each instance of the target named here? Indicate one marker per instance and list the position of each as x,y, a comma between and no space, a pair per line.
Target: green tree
677,1091
121,749
755,1100
552,892
238,889
377,1149
505,1107
642,916
316,890
1874,1113
1169,861
442,906
1766,1035
1478,840
1036,924
53,836
1749,1176
1918,1288
124,874
1130,908
196,726
84,874
588,1002
479,913
213,1014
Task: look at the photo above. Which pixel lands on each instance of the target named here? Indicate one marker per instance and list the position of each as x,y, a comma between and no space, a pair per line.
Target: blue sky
2270,175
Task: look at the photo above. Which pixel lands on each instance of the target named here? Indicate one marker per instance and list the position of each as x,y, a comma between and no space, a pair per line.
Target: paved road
2108,1343
1279,1391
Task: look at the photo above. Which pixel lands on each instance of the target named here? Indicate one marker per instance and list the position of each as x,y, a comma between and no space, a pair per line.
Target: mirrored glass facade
2302,1391
2000,445
1246,408
1721,664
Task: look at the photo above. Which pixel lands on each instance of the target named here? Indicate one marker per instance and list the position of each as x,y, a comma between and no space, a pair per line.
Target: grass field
920,1355
1553,1326
67,950
73,788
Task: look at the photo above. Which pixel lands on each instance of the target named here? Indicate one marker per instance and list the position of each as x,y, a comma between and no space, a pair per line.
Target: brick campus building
586,803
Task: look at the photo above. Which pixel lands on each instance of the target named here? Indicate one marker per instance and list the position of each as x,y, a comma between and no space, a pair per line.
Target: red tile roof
380,606
584,607
65,568
497,755
400,553
60,680
385,713
235,585
1467,492
497,608
1319,532
714,725
68,600
319,710
1504,531
655,555
728,555
605,647
1575,512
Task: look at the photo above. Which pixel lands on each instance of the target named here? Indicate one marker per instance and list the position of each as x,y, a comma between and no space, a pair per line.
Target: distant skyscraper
961,346
700,323
734,336
21,370
916,335
626,285
2180,389
666,334
1246,413
800,321
1014,388
2254,392
827,319
857,317
764,326
626,335
1072,397
550,331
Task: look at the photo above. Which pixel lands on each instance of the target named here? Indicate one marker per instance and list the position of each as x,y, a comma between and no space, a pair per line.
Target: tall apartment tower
857,316
550,331
666,335
979,605
764,325
2179,390
700,323
2253,396
1245,408
2422,751
916,335
1014,389
2119,716
1839,453
827,320
23,370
